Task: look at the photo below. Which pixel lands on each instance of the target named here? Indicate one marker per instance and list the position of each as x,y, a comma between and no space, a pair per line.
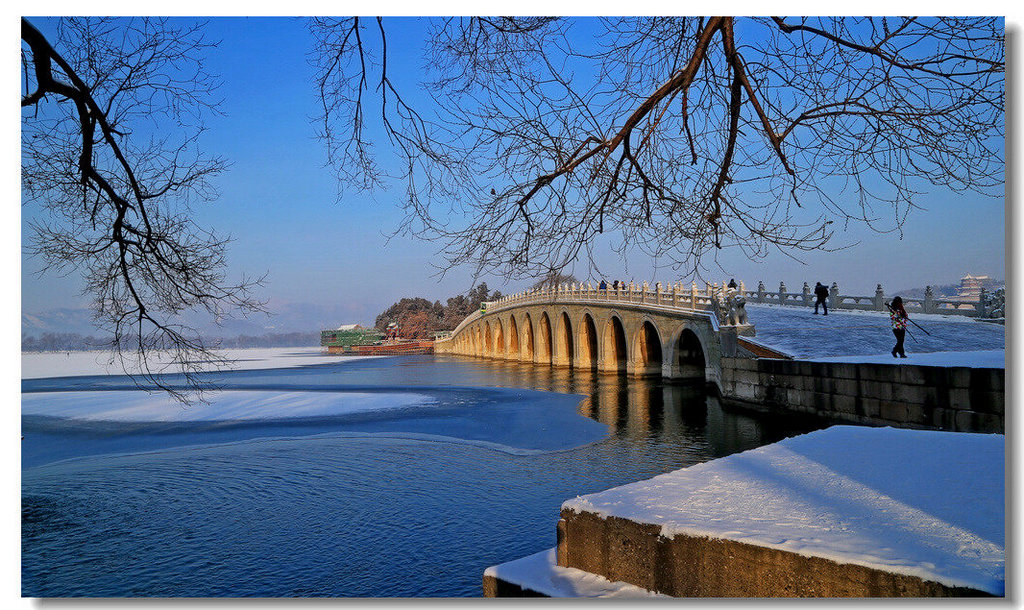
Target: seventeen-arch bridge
677,333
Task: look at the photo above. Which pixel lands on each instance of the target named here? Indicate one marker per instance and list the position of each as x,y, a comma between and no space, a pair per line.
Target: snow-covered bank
70,364
914,502
233,405
985,359
800,333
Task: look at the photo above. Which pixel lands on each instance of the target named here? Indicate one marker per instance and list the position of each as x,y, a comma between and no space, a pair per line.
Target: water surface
464,465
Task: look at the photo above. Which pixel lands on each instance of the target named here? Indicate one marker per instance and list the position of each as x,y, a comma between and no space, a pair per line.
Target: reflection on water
303,511
647,410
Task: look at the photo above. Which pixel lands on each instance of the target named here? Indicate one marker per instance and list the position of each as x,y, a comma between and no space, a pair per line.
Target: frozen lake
401,476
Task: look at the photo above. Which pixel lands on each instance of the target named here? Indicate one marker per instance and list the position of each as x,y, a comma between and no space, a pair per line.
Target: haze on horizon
278,203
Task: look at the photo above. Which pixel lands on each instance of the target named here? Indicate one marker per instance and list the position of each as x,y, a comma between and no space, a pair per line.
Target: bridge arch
587,347
499,338
563,340
513,338
646,359
614,346
488,340
544,345
478,342
528,348
689,359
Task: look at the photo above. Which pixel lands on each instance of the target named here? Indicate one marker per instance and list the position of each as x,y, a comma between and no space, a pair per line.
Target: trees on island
418,318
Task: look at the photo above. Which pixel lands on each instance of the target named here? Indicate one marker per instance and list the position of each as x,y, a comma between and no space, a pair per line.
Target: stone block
990,380
876,389
935,376
845,370
917,414
936,397
847,387
959,398
870,407
911,375
970,421
878,373
913,394
944,419
791,381
748,377
844,404
776,395
988,402
823,384
893,411
747,391
822,401
959,377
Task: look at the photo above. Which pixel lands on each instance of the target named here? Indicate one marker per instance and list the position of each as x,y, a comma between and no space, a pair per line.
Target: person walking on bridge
898,316
821,292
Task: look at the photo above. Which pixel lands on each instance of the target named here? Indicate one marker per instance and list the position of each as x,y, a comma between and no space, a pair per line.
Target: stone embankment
848,511
941,398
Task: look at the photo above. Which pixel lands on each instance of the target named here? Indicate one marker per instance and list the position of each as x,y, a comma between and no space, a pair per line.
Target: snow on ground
228,405
988,359
916,502
36,365
540,572
800,333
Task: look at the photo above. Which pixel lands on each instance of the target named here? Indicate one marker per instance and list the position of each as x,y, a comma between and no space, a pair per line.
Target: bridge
674,331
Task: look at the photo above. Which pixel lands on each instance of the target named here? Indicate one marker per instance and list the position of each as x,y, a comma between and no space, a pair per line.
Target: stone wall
696,566
940,398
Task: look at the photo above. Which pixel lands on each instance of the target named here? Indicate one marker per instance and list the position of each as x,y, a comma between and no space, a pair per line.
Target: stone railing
989,306
670,297
674,296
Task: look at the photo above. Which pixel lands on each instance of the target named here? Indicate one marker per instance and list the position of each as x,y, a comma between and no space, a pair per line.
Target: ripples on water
315,510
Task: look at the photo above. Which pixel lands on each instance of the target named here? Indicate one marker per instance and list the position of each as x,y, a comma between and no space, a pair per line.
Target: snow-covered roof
916,502
348,327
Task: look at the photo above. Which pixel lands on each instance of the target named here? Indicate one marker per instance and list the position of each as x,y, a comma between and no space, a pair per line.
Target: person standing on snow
821,292
899,318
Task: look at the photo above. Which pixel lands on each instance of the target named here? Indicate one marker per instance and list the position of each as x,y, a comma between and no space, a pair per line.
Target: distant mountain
78,321
287,323
945,290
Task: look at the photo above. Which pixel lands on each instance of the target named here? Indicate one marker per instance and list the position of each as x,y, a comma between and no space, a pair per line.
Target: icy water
403,476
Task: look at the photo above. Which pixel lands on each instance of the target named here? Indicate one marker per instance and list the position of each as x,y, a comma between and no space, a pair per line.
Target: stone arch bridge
676,333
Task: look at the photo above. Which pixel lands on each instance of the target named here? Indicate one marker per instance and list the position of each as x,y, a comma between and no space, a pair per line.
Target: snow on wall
915,502
984,359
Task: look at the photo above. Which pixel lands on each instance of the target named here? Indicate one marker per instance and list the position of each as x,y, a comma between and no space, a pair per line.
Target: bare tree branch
97,156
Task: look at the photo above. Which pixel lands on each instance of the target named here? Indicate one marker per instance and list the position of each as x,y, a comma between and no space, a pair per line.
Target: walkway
797,331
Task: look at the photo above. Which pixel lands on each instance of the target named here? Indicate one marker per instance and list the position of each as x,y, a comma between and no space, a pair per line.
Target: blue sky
278,203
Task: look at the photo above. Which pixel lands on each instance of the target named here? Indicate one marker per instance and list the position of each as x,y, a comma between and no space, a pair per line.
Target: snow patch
229,405
916,502
35,365
540,572
983,359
